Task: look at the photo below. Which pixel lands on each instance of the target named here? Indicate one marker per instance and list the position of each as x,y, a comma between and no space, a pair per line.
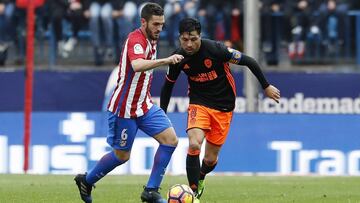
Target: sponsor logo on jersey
204,77
186,66
138,49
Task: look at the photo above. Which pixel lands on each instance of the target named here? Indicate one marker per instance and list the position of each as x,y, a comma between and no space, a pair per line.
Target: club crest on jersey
138,49
208,63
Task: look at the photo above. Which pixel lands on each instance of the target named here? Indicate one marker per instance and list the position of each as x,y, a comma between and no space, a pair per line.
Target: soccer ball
180,193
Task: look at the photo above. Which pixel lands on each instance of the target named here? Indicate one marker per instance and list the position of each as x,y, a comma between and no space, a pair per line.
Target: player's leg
156,124
210,159
220,125
121,137
208,164
198,125
196,137
106,164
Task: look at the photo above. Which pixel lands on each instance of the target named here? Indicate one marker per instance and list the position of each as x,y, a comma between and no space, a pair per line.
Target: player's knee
210,160
171,140
167,137
122,155
194,146
175,141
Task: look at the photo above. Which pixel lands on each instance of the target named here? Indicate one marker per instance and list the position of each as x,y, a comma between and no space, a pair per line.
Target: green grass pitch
221,189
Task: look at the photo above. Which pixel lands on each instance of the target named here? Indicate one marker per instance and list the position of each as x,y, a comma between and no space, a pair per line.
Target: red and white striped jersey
131,97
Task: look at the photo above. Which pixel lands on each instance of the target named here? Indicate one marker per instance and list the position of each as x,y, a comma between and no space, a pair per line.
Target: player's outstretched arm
270,91
254,68
140,64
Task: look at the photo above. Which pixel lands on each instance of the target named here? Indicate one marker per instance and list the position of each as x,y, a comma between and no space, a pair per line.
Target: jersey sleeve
173,72
136,48
235,56
254,67
222,52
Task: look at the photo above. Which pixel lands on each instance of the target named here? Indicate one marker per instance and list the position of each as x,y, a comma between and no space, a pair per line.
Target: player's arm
141,64
241,59
166,94
170,79
137,55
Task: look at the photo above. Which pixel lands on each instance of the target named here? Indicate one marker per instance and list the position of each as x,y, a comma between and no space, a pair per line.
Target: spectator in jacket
7,30
99,13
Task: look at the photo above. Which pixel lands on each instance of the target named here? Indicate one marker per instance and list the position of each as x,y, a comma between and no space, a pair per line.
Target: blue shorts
122,131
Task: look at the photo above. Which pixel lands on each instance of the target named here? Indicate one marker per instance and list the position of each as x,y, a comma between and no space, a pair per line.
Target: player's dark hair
151,9
189,25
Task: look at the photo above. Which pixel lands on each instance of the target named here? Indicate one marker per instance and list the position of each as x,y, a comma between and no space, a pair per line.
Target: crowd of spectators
315,29
306,26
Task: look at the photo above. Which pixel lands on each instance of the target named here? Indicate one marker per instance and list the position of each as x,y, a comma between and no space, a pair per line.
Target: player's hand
273,93
174,59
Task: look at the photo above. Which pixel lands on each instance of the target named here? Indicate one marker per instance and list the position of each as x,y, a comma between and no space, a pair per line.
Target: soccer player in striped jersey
212,96
130,108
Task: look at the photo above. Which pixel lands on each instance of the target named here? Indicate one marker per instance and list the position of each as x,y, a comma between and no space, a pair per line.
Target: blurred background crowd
91,32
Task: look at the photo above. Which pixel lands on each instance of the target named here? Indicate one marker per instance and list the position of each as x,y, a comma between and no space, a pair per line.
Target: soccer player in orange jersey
212,95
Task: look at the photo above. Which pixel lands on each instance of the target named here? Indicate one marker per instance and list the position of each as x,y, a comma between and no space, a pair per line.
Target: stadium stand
333,38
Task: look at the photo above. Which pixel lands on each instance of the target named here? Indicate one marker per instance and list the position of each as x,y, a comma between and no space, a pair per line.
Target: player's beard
150,34
189,52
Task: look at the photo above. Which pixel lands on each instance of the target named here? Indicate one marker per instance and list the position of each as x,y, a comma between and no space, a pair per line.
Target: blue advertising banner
314,93
55,90
302,144
313,130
